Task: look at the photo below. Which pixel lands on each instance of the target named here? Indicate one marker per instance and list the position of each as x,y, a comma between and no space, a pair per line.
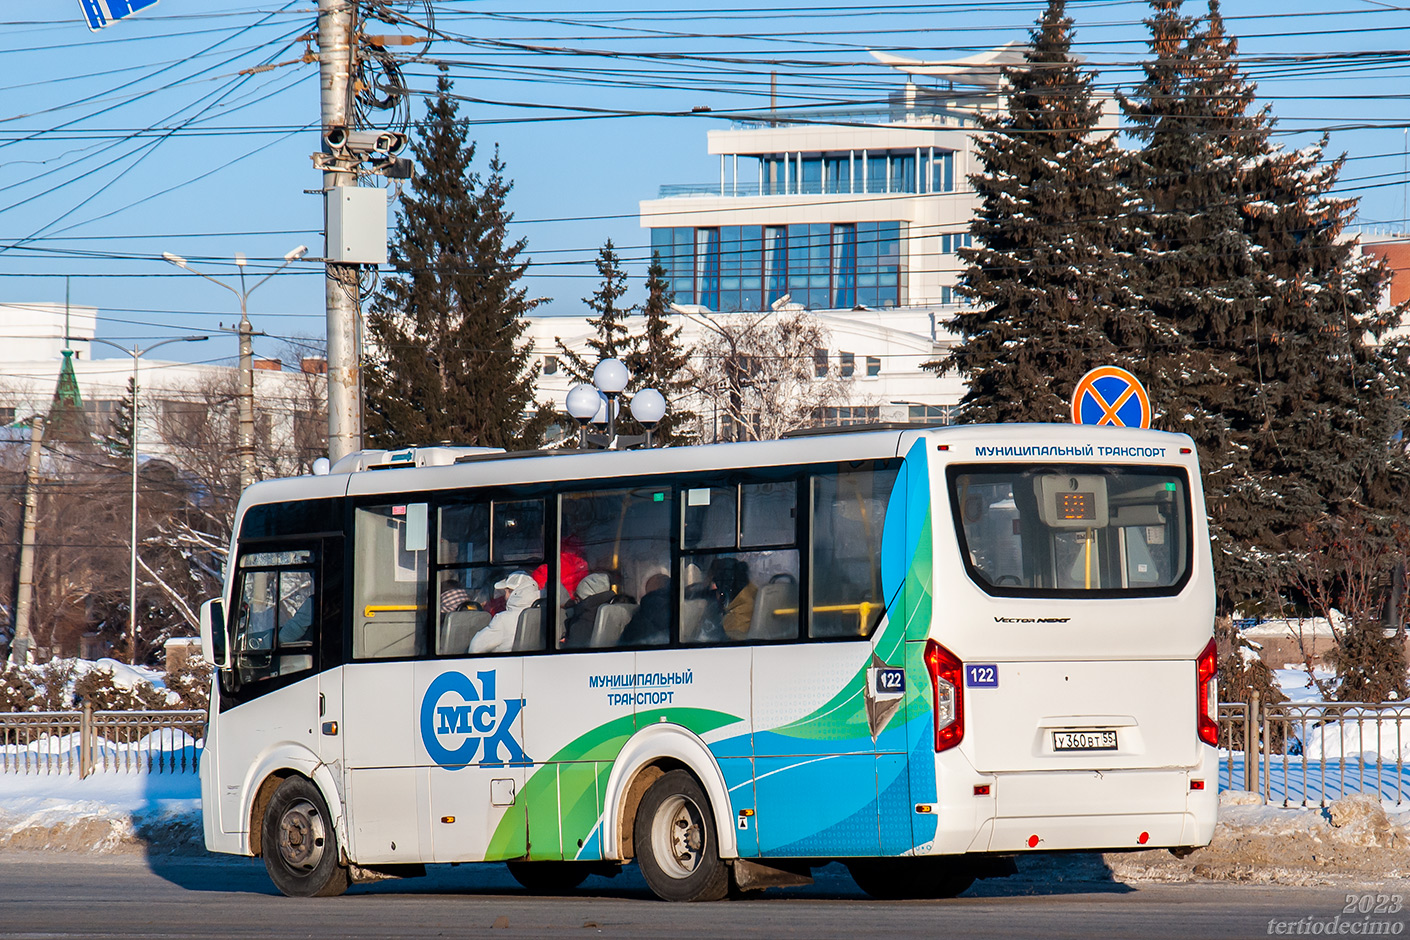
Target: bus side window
618,591
389,582
275,619
849,509
746,590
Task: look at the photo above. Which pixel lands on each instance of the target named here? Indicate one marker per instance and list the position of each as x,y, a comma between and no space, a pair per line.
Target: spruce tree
117,438
1261,310
445,360
1045,283
611,338
658,361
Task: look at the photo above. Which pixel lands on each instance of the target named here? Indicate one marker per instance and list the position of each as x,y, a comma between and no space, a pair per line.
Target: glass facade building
734,268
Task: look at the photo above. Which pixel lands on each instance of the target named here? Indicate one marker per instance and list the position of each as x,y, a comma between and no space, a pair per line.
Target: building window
550,365
7,416
820,266
844,266
943,173
932,415
820,363
849,364
949,244
843,415
873,365
707,268
775,262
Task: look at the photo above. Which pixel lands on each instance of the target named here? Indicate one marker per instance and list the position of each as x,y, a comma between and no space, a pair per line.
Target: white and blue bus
919,652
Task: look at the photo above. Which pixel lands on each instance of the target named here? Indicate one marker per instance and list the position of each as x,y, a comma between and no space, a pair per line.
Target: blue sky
152,135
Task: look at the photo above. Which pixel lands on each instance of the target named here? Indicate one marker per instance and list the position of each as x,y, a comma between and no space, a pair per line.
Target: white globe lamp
649,407
611,376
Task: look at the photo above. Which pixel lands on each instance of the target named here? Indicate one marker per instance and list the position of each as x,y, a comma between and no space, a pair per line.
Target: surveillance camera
365,141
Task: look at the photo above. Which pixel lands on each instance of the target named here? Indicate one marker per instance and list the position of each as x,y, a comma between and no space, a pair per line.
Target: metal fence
1292,754
1310,754
88,741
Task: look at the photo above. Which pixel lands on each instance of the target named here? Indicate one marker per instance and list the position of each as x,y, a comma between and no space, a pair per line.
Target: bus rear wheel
550,877
299,845
675,841
894,879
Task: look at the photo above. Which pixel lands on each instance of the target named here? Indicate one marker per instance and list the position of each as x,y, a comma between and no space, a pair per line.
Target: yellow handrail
371,610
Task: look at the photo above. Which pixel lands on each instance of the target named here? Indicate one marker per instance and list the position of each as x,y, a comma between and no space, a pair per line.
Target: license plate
1084,740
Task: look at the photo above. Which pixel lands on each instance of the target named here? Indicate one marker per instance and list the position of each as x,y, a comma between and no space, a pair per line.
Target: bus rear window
1054,531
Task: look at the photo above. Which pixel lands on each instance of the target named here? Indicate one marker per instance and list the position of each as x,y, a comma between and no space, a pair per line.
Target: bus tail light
947,684
1207,694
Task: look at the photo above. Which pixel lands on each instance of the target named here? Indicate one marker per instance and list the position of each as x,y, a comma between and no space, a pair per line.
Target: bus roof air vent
439,456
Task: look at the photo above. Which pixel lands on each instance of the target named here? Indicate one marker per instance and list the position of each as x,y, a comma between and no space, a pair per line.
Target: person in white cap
498,635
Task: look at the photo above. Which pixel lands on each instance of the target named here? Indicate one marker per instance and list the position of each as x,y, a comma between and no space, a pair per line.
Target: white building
34,338
852,215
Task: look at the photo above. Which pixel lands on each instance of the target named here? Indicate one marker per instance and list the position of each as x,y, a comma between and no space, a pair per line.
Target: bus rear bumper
1080,809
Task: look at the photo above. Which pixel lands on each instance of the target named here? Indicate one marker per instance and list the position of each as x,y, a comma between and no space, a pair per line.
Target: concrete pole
247,401
336,22
23,643
132,545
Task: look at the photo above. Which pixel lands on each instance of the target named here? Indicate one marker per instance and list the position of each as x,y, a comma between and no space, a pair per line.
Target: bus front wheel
891,879
675,841
299,846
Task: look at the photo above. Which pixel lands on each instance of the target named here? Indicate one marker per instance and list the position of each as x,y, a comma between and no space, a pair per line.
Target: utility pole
336,30
23,642
247,405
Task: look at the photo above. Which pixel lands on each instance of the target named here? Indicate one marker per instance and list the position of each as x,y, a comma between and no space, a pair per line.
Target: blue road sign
100,13
1111,395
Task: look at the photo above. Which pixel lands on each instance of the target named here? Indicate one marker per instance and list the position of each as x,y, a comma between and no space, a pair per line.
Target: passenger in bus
734,595
572,568
454,596
651,624
519,592
593,591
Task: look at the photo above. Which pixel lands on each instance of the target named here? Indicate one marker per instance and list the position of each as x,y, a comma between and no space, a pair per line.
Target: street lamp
247,355
597,404
136,353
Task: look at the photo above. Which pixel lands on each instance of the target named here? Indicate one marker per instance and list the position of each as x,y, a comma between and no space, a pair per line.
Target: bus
920,652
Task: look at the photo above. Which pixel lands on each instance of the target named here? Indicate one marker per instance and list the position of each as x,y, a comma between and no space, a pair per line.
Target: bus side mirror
213,644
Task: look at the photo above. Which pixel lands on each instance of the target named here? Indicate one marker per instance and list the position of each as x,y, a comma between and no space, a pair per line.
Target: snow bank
107,812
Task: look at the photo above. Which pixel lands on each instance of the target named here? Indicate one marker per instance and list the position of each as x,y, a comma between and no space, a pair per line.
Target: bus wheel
550,877
675,841
893,879
300,847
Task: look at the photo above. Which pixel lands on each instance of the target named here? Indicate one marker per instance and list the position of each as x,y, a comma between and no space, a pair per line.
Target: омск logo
456,718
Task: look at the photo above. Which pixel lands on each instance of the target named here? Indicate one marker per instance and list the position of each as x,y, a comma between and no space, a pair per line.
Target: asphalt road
53,896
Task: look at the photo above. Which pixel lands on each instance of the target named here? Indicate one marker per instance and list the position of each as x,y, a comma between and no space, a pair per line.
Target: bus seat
530,633
458,628
692,612
385,639
611,620
774,596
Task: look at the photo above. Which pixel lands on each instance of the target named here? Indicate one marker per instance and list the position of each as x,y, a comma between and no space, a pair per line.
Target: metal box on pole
357,225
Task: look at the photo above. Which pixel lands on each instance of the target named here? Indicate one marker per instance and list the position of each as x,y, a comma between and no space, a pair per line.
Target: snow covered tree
1045,283
612,339
1260,311
758,373
657,360
117,438
445,361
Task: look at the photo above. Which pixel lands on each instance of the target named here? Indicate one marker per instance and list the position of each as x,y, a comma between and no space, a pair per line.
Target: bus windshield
1081,530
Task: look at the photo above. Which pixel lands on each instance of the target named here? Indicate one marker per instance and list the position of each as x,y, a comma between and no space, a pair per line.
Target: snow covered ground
105,812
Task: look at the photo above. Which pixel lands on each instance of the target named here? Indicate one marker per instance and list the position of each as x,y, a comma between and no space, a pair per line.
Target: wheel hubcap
678,836
302,836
